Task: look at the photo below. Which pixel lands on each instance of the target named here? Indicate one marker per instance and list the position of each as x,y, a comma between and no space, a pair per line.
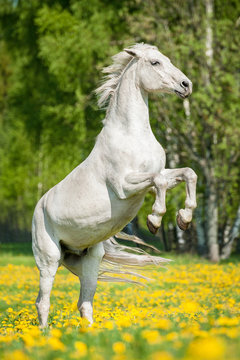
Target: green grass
21,253
16,253
191,306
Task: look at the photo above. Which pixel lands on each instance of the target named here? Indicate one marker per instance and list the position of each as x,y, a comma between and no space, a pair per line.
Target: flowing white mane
114,72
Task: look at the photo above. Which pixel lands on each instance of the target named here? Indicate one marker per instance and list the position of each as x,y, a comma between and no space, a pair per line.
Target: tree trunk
233,233
212,221
181,243
40,170
165,244
201,238
211,200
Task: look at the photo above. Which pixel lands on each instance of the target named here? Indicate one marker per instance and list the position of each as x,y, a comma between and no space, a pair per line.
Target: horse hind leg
86,267
43,299
47,253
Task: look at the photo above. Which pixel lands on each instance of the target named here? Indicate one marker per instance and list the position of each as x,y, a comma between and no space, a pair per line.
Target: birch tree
211,181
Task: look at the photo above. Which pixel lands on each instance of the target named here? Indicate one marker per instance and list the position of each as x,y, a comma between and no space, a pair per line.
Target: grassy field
189,311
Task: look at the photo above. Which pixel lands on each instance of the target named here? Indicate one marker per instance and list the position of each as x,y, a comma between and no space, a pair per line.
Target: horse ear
132,52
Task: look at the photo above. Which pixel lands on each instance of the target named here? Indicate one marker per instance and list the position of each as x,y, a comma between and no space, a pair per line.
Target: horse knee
161,182
190,175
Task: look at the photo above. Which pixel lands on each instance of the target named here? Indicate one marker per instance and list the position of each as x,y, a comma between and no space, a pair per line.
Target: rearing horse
73,221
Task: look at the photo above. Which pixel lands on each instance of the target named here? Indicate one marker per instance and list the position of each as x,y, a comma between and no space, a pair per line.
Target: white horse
74,221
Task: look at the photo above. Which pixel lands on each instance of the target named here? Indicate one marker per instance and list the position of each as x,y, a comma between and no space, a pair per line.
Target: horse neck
128,109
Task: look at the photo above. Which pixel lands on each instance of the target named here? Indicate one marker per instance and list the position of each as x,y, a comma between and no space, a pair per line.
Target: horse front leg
159,207
132,184
176,176
137,182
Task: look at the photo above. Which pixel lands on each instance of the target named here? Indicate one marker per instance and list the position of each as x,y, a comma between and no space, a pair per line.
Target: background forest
51,55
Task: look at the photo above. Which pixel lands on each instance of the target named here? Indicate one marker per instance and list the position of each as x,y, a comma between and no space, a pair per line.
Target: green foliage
50,121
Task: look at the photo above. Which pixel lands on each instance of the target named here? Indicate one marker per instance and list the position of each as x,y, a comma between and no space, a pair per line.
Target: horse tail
122,259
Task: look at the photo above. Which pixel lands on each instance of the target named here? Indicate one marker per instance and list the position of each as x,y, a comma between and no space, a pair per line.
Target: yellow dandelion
56,344
28,340
161,355
81,348
108,325
124,322
152,336
119,347
127,337
190,307
56,333
207,349
16,355
163,324
225,321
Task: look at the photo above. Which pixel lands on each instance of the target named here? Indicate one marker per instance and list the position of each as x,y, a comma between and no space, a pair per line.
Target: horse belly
89,231
84,221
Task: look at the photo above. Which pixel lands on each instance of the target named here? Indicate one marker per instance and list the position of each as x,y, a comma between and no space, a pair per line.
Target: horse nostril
185,84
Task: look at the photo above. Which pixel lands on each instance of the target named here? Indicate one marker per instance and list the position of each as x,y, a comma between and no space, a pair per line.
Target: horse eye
155,62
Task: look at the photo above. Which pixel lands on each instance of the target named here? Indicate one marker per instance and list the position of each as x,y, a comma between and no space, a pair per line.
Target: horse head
156,73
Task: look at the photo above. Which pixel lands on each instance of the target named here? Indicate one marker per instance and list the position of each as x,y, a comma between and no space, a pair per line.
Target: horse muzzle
186,89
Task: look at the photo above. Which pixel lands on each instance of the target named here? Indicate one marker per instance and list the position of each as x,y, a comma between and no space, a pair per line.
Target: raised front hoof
181,223
153,229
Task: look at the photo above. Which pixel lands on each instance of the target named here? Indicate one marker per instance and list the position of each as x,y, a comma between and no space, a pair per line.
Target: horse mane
114,72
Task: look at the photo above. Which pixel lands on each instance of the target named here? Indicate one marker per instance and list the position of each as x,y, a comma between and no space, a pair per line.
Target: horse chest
152,159
142,156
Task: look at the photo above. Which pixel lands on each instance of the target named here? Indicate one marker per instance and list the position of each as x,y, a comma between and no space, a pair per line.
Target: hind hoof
181,223
152,228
